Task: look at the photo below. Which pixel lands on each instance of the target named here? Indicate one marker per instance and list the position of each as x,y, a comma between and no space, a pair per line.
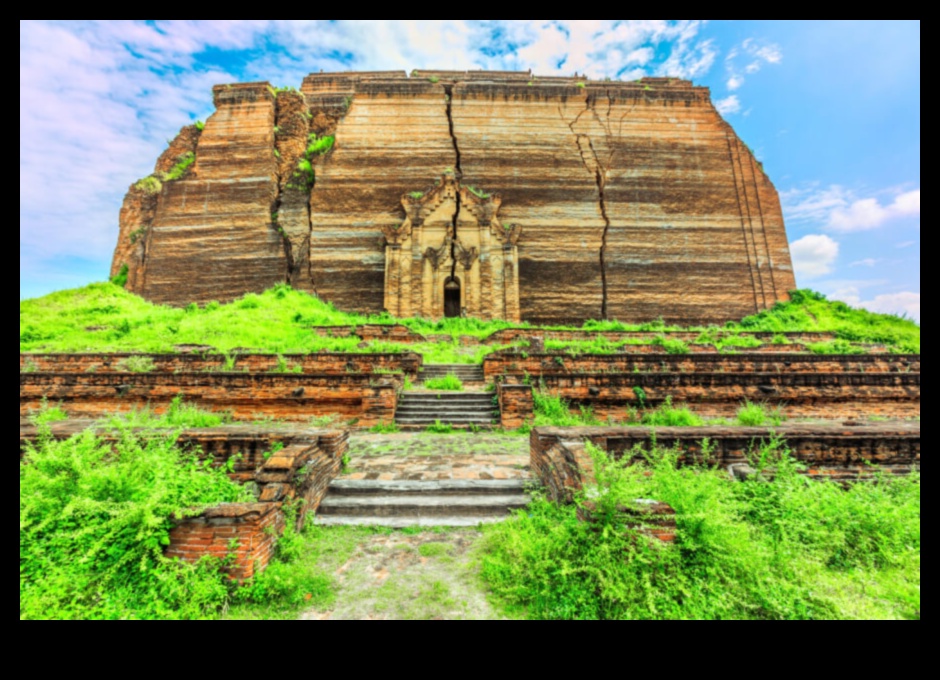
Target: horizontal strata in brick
516,363
406,363
369,398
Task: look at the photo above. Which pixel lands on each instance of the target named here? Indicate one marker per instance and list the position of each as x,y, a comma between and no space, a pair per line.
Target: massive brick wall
212,235
247,396
634,200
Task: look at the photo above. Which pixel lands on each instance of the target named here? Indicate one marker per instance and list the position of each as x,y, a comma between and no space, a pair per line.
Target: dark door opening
452,297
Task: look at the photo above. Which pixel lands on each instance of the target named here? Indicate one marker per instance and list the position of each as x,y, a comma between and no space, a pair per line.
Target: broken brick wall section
245,533
836,451
280,467
516,406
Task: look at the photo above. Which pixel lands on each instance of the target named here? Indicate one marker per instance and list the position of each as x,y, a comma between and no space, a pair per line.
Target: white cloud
814,255
866,262
757,53
902,303
840,210
906,244
728,105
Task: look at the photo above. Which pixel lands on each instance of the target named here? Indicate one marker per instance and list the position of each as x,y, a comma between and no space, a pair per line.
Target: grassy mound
104,317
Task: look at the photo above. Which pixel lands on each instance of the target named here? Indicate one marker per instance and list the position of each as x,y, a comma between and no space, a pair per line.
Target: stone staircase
420,409
469,374
403,503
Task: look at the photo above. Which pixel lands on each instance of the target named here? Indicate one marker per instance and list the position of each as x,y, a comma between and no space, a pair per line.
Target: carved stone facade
452,256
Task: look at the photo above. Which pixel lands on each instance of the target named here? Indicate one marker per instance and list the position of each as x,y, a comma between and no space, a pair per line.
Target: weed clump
445,382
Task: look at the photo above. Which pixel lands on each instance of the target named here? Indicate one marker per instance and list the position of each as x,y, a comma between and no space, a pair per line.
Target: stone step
444,487
423,422
404,522
425,505
446,408
438,397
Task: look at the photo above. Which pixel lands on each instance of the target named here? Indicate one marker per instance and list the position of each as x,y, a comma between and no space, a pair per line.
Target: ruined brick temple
497,195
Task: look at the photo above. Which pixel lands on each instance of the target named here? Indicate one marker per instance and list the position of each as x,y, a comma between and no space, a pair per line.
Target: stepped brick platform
842,452
798,395
325,363
370,399
519,364
301,470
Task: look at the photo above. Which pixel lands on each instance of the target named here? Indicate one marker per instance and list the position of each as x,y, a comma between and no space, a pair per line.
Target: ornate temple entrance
452,256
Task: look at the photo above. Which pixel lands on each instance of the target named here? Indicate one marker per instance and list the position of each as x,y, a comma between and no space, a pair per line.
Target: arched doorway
452,296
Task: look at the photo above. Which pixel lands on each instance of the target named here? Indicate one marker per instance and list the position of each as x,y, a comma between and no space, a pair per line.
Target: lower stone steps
418,409
420,503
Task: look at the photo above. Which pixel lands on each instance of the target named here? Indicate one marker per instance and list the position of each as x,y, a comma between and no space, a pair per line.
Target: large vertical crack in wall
599,173
448,102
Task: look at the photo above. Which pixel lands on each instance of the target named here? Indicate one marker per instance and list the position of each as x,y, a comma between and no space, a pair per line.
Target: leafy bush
94,519
182,165
445,382
120,279
756,415
791,548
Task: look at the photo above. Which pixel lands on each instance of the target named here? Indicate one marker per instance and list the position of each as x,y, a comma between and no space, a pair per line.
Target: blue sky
831,108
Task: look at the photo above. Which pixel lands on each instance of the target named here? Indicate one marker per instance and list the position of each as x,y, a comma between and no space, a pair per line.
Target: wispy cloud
748,58
866,262
728,105
903,303
814,255
840,210
905,244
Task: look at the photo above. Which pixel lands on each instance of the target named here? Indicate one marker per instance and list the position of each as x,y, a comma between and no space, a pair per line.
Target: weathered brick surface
827,395
368,398
664,212
298,473
325,363
842,452
246,533
515,405
507,335
517,363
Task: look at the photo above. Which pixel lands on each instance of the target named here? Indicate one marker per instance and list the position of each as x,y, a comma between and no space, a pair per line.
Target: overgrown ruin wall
627,200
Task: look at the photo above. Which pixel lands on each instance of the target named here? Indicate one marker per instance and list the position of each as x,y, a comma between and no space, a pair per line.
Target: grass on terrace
103,317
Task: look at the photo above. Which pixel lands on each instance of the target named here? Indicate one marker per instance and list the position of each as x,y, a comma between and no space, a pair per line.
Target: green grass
104,317
445,382
791,548
552,410
177,415
756,415
668,415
